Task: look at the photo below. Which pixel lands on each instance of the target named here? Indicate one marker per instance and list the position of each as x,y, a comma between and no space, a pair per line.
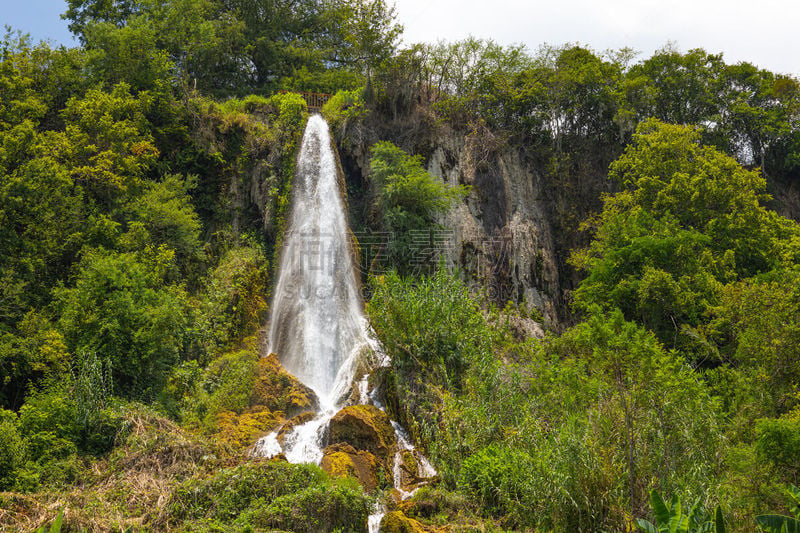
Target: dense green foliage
687,271
274,495
570,99
573,427
239,47
145,179
688,222
407,202
126,249
772,523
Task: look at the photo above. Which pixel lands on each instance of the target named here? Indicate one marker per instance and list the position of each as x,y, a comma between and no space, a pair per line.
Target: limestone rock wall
501,237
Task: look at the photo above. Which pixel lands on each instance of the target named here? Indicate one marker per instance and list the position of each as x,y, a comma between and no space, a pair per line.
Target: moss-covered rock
364,427
245,429
342,460
397,522
255,396
278,390
408,470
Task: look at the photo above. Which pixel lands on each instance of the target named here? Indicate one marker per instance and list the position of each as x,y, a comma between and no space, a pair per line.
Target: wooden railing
315,101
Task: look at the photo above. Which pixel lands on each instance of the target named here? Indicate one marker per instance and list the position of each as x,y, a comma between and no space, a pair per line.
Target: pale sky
765,32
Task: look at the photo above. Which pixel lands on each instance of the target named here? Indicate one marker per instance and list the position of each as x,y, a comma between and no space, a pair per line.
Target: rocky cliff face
513,233
500,236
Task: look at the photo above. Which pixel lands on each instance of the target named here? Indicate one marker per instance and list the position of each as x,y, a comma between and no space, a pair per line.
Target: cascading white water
318,325
318,328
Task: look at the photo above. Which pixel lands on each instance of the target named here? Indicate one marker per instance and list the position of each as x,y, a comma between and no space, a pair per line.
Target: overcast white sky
765,32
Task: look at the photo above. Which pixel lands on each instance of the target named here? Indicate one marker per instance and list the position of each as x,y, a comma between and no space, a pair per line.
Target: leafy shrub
229,383
164,216
407,200
48,422
322,508
430,326
100,433
292,111
235,303
324,81
273,494
592,415
179,395
228,492
344,106
500,477
778,443
35,355
52,411
121,307
12,448
252,104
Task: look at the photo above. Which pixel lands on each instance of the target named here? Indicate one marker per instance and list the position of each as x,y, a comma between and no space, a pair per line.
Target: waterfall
318,325
318,328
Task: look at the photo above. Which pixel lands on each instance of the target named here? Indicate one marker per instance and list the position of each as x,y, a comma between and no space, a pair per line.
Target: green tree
236,46
121,308
407,201
163,215
660,420
680,88
369,34
688,221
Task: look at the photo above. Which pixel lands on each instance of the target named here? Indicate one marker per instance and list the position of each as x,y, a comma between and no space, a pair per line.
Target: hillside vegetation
145,177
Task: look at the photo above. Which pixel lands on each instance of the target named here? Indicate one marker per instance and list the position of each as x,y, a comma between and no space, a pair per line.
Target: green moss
279,391
243,430
397,522
365,427
342,460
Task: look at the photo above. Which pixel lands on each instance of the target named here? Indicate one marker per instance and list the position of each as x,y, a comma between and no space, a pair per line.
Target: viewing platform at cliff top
315,101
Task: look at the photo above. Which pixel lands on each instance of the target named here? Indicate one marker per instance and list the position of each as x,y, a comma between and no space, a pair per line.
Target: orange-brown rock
342,460
397,522
279,391
364,427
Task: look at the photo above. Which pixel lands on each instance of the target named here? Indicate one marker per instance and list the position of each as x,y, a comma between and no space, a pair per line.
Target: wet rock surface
364,427
342,460
278,390
295,421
